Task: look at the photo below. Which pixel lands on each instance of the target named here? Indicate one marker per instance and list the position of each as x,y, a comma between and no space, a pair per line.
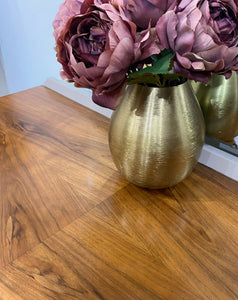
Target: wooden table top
72,228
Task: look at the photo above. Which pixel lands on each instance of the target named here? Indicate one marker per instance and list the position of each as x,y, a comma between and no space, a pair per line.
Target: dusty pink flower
66,10
97,47
141,12
203,35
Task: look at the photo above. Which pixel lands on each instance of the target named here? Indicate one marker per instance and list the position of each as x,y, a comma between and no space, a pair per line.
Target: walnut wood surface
72,228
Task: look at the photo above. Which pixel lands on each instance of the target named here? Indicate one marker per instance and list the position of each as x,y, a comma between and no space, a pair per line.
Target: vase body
219,104
156,134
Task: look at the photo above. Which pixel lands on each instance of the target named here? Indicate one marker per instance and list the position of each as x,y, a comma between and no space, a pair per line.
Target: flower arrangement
103,45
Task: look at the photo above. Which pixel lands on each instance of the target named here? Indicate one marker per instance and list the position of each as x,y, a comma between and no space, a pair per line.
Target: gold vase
219,103
156,134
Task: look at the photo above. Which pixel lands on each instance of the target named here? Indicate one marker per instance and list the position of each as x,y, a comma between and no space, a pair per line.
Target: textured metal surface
156,135
219,103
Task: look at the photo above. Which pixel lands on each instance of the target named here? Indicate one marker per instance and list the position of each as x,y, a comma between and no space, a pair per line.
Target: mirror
219,103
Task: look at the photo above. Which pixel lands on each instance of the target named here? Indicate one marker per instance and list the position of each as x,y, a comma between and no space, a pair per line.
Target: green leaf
157,74
161,64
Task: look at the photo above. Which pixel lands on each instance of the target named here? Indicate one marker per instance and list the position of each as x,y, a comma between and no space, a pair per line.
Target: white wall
3,81
26,42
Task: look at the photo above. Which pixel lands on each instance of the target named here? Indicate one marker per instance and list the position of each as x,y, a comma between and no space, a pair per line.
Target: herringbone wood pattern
72,228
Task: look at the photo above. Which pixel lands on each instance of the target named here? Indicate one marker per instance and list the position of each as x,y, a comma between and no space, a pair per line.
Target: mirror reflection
219,103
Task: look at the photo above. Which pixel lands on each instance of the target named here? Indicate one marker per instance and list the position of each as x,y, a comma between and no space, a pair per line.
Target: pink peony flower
66,10
97,47
203,35
141,12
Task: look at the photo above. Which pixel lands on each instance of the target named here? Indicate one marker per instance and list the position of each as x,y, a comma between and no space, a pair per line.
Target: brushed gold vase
219,103
156,134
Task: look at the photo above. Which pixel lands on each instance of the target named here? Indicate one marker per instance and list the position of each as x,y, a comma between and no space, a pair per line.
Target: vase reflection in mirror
219,104
156,134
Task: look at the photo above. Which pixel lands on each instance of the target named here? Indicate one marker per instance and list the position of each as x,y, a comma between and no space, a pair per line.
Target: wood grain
72,228
48,174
